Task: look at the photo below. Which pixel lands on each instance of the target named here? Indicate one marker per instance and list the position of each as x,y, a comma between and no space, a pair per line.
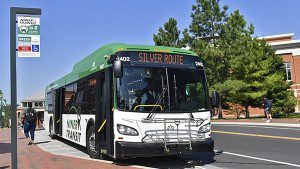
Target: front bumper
138,149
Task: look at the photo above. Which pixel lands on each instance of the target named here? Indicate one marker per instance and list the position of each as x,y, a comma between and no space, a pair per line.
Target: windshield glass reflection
162,90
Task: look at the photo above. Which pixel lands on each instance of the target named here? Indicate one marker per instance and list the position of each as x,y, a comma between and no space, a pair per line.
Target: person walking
29,123
268,109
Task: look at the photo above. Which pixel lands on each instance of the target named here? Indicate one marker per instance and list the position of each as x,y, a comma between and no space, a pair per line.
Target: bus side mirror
215,99
118,68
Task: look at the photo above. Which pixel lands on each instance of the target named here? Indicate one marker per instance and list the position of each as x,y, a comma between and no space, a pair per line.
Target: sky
71,30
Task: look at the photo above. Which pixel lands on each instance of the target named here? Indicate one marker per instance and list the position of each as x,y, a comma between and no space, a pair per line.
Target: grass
280,116
294,115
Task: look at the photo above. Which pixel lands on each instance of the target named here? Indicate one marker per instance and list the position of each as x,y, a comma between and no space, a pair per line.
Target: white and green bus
125,101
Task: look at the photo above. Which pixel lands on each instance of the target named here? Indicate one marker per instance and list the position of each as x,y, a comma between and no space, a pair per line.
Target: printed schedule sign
28,36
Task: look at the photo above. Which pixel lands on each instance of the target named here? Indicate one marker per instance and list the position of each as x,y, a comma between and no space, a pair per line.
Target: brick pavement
32,157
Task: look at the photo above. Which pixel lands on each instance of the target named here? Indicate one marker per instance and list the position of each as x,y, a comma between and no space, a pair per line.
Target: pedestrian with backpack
268,108
29,123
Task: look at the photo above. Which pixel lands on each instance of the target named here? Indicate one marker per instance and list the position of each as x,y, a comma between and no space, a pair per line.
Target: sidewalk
32,157
288,122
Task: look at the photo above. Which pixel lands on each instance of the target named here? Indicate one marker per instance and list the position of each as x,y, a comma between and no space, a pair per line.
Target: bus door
100,119
58,109
104,119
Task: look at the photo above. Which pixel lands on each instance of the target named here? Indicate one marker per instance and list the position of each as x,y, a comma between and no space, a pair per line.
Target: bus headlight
125,130
204,129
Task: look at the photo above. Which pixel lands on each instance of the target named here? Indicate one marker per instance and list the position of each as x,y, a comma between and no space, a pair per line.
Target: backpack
30,115
270,103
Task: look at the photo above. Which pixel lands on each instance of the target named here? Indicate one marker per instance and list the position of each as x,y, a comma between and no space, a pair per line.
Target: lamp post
1,117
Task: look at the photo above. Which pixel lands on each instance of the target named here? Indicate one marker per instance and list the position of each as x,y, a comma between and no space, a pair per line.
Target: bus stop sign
28,36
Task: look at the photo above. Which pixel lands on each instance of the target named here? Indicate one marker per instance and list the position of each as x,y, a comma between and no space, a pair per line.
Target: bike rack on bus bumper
172,136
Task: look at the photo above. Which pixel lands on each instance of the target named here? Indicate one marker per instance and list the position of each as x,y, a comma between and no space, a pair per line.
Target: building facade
38,103
289,49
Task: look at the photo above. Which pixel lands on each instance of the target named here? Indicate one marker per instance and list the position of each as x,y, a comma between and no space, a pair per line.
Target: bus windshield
149,89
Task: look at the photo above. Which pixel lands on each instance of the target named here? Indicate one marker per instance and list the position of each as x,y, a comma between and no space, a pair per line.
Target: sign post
13,82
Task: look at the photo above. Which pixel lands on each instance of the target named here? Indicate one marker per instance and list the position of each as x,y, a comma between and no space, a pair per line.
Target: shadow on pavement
4,148
77,146
4,167
42,142
185,161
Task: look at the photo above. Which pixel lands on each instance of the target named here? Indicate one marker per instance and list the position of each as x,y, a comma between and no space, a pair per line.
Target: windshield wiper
168,87
175,91
161,97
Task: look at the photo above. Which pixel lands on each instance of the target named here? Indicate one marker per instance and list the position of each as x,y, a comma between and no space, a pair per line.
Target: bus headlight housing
126,130
204,129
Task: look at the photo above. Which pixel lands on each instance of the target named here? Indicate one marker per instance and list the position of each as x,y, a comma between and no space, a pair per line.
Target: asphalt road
237,146
257,146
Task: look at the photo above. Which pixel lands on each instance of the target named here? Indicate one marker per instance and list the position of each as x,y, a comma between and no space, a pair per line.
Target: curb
91,159
260,124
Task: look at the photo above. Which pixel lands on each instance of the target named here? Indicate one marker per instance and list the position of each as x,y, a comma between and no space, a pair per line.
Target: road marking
265,127
295,125
256,135
280,128
262,159
207,166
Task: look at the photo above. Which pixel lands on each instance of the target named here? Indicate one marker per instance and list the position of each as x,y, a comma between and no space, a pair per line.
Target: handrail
148,105
102,125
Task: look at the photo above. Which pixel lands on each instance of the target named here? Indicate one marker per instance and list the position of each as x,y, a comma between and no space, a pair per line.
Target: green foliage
242,68
169,35
207,20
207,24
6,118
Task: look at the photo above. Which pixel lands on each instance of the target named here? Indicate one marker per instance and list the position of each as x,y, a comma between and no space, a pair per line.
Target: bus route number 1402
124,59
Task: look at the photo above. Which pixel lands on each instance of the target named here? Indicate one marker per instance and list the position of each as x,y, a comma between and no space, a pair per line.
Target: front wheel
91,143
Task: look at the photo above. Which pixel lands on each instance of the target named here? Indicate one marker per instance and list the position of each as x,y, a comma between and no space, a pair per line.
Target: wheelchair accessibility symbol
35,48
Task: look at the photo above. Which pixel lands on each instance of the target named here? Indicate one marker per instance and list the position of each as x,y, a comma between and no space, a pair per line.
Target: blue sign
35,48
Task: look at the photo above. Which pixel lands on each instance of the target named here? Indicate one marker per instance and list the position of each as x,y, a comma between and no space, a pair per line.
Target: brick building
38,102
289,49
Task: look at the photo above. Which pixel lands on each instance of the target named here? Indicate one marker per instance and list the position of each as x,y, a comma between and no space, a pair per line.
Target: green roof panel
97,60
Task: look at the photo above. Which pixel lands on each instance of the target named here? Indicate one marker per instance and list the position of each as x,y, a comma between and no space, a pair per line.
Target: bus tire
91,143
105,157
51,129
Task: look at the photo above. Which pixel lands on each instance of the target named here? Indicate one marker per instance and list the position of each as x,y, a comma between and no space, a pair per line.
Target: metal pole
13,77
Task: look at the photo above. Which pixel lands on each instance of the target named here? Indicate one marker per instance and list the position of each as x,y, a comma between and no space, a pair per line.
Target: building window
287,66
24,104
41,104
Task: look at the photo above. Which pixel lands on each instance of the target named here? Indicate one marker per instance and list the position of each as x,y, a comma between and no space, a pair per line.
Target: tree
169,35
254,64
6,119
242,68
208,19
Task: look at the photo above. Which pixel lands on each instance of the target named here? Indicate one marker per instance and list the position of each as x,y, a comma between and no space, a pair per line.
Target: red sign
24,48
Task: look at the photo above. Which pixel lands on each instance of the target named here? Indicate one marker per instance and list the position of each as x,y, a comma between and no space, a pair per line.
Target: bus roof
97,60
